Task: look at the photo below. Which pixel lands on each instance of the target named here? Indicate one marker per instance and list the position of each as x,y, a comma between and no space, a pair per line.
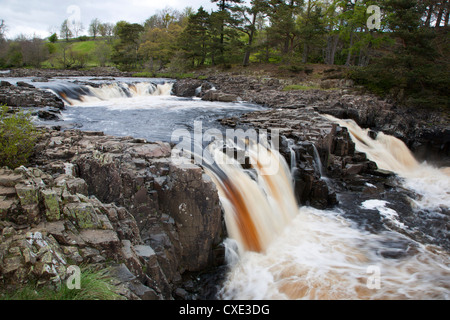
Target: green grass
88,48
300,87
95,285
85,46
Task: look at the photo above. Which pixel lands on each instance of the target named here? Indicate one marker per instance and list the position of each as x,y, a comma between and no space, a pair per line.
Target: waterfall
75,94
256,209
431,184
278,250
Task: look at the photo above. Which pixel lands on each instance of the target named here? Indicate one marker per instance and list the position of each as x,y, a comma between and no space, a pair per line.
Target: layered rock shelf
91,198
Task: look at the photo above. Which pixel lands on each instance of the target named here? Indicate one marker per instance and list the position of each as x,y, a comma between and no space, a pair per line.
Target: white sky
44,17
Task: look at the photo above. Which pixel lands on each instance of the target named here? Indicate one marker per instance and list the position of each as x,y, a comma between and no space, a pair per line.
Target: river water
276,248
139,107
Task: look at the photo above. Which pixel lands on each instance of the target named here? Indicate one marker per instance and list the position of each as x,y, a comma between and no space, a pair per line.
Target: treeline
403,51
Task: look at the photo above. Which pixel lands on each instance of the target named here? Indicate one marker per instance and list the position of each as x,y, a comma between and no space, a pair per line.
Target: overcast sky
44,17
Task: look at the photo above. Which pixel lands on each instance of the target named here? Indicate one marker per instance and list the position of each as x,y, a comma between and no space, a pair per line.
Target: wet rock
26,96
49,114
214,95
187,87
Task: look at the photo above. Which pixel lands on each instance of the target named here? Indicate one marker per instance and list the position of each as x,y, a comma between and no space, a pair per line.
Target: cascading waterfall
254,224
75,94
284,251
431,184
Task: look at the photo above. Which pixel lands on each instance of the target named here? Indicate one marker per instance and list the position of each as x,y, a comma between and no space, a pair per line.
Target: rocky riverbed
121,202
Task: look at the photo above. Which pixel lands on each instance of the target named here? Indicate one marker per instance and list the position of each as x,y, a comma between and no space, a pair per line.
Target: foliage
53,38
94,285
295,87
17,138
406,57
126,50
416,70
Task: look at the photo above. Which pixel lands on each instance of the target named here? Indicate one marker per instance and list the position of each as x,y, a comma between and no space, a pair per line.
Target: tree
106,30
18,136
195,39
223,18
126,51
283,29
247,16
310,26
65,31
159,45
3,29
103,53
53,38
94,27
77,28
163,19
34,51
415,69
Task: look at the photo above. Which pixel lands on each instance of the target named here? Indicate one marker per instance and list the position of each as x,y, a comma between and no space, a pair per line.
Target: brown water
278,250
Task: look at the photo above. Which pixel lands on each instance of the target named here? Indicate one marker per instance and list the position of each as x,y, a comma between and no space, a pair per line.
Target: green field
92,52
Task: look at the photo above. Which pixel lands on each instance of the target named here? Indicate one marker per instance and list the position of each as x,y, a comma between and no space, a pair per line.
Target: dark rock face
26,96
187,87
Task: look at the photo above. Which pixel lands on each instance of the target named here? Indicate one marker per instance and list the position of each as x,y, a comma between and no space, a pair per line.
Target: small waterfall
256,209
293,156
318,161
431,184
278,250
75,94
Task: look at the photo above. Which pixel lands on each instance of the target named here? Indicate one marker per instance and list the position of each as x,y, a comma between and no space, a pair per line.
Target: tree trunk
305,53
250,41
440,14
430,13
349,55
332,42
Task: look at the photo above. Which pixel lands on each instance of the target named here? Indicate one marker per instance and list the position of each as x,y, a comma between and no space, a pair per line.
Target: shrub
17,138
94,285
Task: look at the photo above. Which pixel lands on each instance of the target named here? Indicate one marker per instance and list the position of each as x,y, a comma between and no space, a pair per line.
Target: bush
95,285
17,138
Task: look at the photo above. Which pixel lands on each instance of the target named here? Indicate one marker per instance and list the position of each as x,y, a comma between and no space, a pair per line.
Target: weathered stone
106,240
146,252
12,264
32,213
82,214
7,191
151,151
194,205
356,168
5,207
52,204
213,95
187,87
28,194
